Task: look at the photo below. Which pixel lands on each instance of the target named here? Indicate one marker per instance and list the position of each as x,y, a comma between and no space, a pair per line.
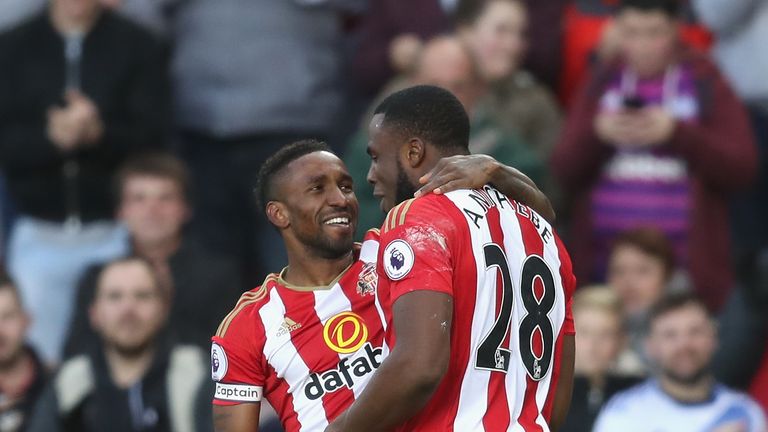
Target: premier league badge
218,362
398,259
366,283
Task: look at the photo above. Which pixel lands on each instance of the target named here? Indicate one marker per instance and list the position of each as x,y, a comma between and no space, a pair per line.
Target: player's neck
311,271
699,391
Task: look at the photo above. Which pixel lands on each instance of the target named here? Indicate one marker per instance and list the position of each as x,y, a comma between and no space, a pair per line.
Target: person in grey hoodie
250,76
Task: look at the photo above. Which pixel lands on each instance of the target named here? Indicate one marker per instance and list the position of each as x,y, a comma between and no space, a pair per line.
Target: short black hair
272,167
671,8
430,113
673,302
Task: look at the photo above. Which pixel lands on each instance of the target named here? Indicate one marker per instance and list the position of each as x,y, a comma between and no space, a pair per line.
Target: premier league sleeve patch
218,362
398,259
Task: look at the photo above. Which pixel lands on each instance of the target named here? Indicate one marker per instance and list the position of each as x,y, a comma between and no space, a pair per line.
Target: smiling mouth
338,221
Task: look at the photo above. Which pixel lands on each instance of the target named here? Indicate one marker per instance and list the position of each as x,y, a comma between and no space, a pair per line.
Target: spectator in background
446,62
641,269
683,396
590,36
80,90
656,139
152,192
251,76
544,58
741,35
391,38
495,31
600,339
22,376
133,381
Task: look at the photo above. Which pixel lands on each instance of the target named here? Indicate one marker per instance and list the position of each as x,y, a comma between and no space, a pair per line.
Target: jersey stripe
393,217
385,225
545,389
245,299
327,304
566,278
469,411
496,417
396,216
406,205
312,350
516,253
283,401
533,246
272,314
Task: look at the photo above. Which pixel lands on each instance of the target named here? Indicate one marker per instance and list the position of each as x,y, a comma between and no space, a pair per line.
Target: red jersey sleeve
569,286
416,253
237,358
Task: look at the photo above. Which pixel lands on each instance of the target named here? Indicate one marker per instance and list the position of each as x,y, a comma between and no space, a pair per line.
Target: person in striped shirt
476,288
309,338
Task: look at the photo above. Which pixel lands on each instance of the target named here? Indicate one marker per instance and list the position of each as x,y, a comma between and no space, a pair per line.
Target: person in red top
656,138
309,338
476,288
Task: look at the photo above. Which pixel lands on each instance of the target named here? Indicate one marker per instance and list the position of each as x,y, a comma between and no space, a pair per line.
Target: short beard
404,188
687,380
324,247
131,352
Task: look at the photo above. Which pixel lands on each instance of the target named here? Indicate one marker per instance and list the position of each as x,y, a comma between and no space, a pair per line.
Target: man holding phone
656,139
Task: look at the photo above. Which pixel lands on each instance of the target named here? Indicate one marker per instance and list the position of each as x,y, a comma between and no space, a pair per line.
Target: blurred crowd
131,132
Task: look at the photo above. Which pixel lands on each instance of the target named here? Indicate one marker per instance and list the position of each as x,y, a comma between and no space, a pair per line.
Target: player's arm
406,380
236,368
236,418
475,171
564,384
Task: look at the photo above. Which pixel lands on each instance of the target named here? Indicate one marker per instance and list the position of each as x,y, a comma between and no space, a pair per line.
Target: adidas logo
287,326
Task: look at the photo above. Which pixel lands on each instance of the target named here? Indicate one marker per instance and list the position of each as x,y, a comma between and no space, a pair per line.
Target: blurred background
131,132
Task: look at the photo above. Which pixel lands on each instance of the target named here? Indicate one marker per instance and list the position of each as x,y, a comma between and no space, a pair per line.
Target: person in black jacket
152,192
80,90
133,379
22,375
600,339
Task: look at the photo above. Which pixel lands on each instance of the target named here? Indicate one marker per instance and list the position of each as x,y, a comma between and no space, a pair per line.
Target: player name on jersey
488,198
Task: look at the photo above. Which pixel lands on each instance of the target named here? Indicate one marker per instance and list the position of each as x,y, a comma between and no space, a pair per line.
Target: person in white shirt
683,395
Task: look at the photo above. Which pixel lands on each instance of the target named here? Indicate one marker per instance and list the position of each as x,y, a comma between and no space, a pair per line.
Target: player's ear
415,152
277,214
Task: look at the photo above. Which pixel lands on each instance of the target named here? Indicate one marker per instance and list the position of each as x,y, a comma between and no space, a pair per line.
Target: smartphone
633,102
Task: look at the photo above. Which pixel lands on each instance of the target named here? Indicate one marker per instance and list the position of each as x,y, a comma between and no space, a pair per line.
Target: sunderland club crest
366,283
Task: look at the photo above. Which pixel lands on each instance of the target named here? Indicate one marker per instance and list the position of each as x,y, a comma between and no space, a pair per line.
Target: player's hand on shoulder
458,172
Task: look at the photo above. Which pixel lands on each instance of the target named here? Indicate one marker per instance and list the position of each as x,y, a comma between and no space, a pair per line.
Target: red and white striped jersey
309,352
511,281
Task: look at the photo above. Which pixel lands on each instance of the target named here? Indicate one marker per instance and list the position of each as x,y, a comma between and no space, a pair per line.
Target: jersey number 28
536,358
